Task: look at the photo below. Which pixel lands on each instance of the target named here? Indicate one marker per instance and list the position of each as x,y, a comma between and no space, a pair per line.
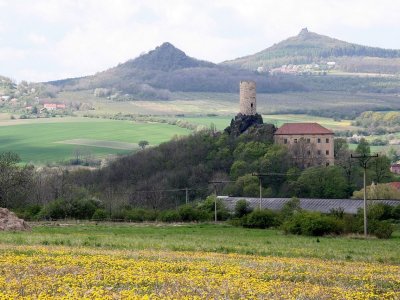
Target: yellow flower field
77,273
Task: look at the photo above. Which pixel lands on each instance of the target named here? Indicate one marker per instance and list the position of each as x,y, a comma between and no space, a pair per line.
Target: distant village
34,101
300,69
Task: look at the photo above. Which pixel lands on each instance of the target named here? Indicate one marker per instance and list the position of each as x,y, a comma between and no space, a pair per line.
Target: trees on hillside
15,181
157,177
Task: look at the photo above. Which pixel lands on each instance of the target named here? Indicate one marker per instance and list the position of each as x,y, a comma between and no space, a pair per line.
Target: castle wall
248,105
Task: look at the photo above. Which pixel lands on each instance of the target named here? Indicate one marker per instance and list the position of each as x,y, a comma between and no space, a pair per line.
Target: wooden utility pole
363,159
215,182
260,176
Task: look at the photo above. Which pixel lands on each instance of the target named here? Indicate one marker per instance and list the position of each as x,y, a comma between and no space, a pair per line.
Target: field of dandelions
33,266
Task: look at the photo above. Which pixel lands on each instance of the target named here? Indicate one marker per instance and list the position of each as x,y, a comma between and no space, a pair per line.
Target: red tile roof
302,128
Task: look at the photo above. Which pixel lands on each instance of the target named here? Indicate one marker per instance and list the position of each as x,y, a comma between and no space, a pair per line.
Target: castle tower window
285,141
327,164
319,140
295,140
308,141
327,152
327,141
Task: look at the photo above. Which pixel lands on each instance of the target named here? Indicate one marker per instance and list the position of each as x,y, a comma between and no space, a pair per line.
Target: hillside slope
309,47
168,69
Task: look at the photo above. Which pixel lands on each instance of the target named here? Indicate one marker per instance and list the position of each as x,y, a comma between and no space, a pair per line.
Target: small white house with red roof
53,106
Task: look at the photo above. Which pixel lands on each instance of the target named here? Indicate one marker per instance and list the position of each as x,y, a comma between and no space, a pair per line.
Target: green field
49,140
207,238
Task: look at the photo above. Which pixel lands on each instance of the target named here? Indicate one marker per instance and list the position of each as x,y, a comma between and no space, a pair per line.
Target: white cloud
9,54
37,39
78,37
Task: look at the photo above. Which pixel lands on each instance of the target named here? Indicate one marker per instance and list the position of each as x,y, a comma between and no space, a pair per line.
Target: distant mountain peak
167,57
303,32
167,45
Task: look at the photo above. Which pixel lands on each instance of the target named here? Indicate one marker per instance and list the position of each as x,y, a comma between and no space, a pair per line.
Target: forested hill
168,69
166,58
309,47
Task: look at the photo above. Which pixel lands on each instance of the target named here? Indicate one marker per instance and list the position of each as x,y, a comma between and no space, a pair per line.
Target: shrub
242,208
170,216
30,212
290,207
81,209
190,214
207,207
379,211
312,224
260,219
54,210
396,212
100,214
352,224
139,215
383,230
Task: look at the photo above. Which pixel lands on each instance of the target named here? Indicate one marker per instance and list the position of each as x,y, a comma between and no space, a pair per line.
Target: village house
310,144
53,106
395,168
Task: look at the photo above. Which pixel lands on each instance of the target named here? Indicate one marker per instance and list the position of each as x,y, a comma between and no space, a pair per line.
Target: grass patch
208,238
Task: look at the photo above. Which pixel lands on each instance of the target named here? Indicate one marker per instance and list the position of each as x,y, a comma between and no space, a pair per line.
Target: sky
42,40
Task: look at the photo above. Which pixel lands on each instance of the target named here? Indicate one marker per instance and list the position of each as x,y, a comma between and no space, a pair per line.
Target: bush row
292,220
89,209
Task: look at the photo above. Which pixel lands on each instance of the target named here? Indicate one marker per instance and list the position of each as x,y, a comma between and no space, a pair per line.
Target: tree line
156,178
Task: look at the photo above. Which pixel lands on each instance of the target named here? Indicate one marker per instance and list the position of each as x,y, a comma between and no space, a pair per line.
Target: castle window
285,141
308,141
319,152
319,140
327,141
252,105
327,152
308,152
295,140
327,164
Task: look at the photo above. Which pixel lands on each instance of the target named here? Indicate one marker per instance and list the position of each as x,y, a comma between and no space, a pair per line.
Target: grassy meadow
197,261
56,139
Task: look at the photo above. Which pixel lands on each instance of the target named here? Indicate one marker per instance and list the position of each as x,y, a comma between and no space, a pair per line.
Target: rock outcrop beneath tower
251,125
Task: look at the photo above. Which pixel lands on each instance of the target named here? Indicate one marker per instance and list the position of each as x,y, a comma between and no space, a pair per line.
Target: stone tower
248,98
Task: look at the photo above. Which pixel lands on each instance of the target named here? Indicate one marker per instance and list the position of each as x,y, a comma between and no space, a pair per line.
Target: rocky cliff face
252,125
